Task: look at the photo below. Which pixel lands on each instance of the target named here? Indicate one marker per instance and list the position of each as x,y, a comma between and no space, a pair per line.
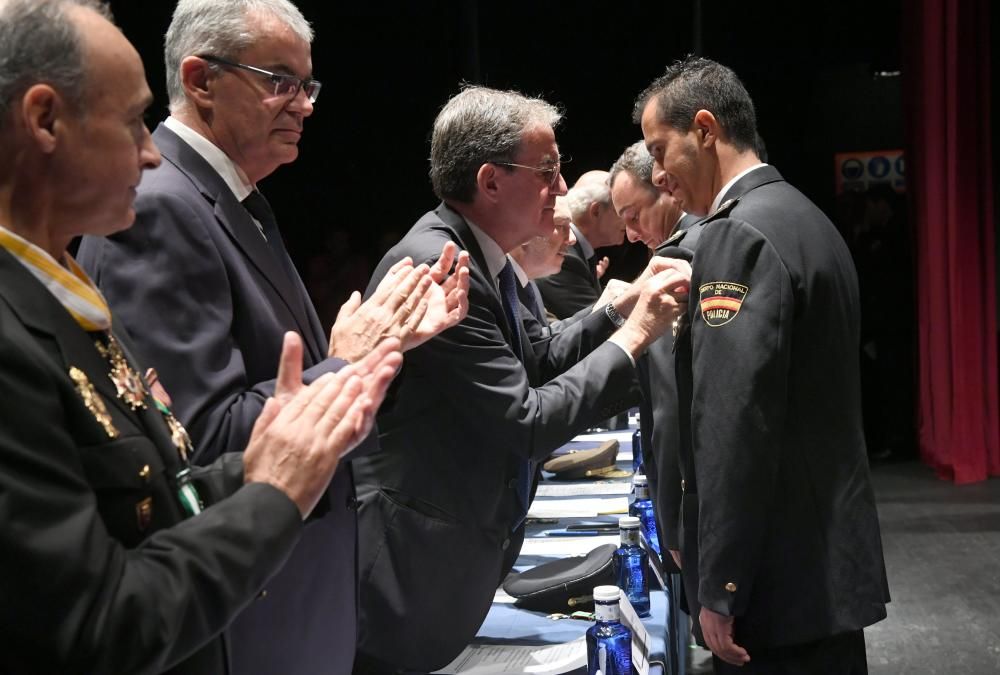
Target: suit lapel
463,236
237,223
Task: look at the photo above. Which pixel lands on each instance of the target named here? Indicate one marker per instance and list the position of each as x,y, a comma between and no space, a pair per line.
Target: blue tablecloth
506,624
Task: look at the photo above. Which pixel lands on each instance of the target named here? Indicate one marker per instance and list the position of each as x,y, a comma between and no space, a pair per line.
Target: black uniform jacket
439,499
573,287
779,522
658,412
102,571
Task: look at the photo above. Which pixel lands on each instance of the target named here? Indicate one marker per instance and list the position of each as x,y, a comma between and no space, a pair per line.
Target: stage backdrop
949,168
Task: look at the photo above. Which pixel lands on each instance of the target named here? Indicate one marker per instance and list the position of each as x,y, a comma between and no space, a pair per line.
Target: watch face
616,318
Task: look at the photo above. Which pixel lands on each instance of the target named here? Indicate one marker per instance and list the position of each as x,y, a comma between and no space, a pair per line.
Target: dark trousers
842,654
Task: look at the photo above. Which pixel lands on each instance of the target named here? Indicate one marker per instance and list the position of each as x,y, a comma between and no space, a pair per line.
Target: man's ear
196,74
42,111
594,209
486,181
707,127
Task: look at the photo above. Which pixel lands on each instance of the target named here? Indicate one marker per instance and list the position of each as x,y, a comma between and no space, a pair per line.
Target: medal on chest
127,382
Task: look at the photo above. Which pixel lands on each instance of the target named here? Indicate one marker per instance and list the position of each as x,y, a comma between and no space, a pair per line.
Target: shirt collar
70,284
495,257
588,250
725,188
519,272
213,154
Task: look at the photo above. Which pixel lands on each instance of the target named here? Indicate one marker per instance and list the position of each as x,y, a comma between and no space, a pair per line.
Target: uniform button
353,503
683,485
731,587
512,483
262,594
144,474
505,545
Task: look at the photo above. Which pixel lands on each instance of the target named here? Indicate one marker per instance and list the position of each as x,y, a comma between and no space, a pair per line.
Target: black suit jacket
658,411
439,500
573,288
780,527
211,301
89,585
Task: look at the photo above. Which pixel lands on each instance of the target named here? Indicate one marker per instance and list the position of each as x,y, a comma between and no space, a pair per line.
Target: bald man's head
589,202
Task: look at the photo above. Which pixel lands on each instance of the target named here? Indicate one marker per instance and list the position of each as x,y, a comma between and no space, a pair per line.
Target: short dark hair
40,43
695,83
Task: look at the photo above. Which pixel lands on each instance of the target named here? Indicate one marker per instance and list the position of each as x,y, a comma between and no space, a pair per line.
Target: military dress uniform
110,564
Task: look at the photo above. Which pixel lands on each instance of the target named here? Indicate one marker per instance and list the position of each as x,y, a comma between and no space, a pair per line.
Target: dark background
387,67
825,78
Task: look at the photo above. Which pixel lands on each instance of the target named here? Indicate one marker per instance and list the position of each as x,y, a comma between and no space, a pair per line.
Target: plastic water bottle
632,565
637,466
609,643
642,508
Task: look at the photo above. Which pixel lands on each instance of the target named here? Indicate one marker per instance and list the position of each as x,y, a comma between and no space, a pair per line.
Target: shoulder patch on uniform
674,237
721,301
723,210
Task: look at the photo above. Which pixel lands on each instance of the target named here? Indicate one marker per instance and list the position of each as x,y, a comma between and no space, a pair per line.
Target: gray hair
638,163
40,43
581,196
220,28
480,125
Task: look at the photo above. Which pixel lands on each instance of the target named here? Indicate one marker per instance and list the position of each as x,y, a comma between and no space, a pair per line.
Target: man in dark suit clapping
475,409
118,556
205,274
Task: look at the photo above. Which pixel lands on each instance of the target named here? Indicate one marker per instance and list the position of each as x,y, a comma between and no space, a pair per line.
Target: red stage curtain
946,74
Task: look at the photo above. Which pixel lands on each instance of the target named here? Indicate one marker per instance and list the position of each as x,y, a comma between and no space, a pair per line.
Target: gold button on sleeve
731,587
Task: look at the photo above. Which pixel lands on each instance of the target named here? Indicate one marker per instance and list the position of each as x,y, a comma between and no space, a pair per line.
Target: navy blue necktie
511,307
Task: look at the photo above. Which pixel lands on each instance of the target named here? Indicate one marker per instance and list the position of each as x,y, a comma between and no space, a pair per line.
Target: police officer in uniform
780,544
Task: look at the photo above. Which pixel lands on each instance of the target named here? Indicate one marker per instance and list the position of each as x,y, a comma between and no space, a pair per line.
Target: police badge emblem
720,301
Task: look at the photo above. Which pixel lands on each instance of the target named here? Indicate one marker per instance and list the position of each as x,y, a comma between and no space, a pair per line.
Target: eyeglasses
548,173
284,85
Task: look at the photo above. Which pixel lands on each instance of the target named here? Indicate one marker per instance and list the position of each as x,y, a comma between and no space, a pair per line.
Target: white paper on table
583,507
579,489
484,659
640,636
620,436
501,596
565,546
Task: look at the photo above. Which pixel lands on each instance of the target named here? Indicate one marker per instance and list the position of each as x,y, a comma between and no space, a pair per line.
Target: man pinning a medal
117,556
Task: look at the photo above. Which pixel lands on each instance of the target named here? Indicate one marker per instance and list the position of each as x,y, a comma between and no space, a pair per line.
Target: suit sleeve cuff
631,359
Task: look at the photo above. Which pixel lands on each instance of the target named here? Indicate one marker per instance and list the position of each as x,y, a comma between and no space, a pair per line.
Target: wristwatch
617,319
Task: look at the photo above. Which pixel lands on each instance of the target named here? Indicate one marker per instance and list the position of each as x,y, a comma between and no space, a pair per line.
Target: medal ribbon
77,293
70,285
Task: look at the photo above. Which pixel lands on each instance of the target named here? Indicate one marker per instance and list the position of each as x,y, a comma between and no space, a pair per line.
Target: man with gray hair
118,556
653,216
206,275
595,225
475,409
650,215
